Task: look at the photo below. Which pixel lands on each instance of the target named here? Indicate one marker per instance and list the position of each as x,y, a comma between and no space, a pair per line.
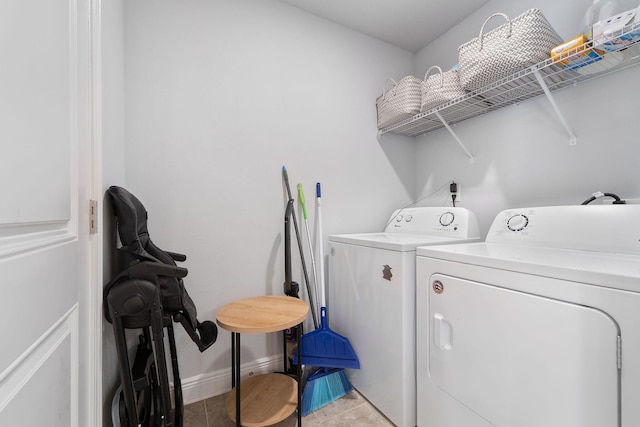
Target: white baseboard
211,384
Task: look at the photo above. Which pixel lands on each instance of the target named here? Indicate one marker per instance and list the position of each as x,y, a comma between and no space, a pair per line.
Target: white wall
522,153
220,94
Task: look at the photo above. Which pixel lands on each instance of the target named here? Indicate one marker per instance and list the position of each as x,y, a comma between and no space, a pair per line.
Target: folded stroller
149,295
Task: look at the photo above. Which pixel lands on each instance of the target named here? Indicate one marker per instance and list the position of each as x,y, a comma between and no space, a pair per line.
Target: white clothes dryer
538,326
371,300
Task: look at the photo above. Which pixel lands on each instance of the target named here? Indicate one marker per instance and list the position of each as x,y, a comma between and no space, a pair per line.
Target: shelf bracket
572,136
446,125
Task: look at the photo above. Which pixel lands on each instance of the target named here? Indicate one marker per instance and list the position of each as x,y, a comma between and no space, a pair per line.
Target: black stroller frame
149,295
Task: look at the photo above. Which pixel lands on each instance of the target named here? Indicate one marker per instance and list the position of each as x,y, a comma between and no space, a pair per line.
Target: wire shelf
525,85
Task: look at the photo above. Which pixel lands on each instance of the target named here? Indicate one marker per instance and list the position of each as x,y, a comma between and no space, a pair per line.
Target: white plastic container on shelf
610,34
603,9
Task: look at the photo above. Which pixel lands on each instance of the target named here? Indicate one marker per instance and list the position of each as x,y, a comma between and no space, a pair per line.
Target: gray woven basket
511,47
440,88
400,102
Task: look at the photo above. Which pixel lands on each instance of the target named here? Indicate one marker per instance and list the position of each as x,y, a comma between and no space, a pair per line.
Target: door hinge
619,351
93,217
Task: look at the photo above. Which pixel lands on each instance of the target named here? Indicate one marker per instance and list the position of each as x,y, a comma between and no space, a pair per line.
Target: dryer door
517,359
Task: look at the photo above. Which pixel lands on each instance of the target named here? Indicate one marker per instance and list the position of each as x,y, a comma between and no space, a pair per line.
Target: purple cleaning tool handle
318,189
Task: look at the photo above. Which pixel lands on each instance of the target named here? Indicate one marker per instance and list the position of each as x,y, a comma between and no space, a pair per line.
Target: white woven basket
511,47
440,88
400,102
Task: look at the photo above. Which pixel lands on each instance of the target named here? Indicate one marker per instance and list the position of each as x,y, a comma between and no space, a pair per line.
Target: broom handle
306,226
304,266
320,250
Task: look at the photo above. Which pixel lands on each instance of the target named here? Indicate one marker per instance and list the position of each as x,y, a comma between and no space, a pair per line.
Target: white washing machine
538,326
371,300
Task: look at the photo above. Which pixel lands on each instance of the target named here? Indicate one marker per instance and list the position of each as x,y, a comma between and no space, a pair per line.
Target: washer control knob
517,222
399,218
447,218
408,218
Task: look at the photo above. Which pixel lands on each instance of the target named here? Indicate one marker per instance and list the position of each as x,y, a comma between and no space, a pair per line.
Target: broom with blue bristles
324,349
324,386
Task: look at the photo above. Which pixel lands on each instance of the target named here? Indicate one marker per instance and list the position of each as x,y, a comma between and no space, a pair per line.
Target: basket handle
384,87
437,68
481,36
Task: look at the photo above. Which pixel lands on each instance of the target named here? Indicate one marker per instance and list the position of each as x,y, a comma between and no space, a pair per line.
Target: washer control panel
437,221
446,219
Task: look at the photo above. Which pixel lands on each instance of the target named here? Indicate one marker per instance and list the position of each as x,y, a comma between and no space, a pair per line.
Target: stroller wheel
118,411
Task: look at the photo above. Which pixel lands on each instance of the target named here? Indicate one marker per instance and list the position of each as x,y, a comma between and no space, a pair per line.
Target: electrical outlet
457,194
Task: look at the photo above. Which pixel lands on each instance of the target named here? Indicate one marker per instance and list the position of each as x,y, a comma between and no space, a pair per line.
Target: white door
517,359
44,190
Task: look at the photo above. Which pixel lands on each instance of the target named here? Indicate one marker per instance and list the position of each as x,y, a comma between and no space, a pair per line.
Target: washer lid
395,241
607,269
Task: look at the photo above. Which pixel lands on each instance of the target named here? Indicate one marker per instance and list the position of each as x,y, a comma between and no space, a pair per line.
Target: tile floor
351,410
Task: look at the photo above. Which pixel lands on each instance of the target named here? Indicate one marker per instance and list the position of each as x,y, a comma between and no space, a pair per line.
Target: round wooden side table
269,398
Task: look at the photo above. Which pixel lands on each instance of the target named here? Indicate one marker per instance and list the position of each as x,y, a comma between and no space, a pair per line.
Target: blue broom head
323,387
325,348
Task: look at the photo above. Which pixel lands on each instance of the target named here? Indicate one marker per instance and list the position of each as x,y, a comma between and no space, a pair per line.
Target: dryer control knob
399,218
517,222
447,218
